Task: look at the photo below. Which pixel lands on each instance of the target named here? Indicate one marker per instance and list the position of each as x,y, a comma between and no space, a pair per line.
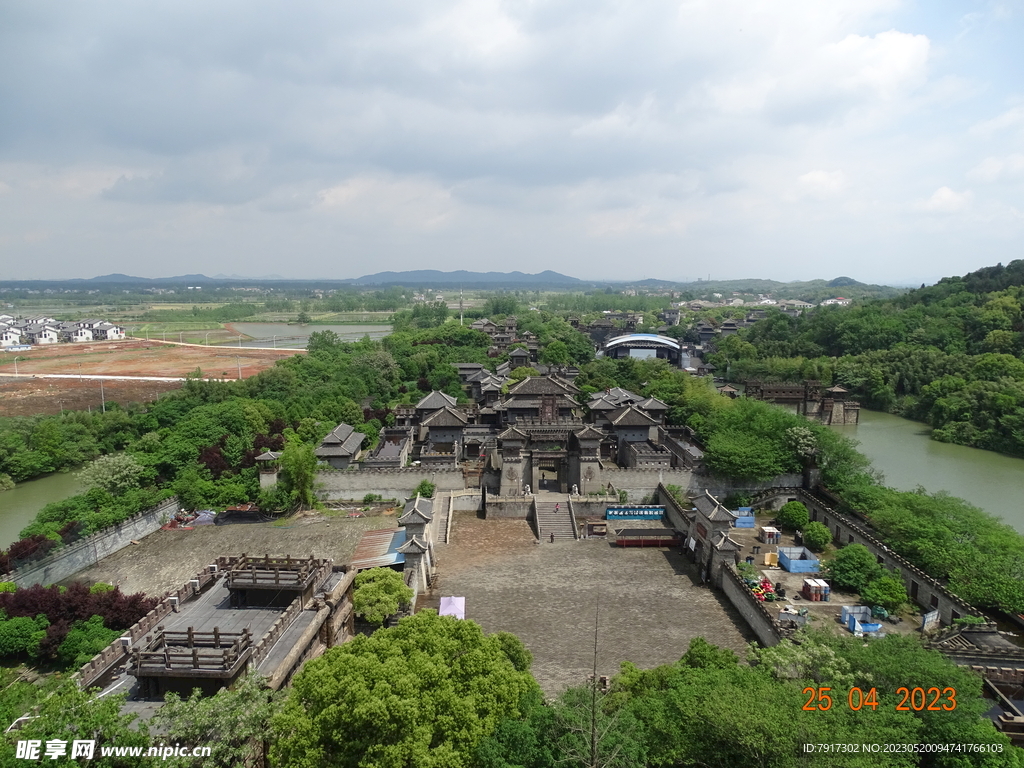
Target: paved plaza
650,601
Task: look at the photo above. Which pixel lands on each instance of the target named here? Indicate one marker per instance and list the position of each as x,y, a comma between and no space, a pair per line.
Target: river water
20,505
296,336
902,450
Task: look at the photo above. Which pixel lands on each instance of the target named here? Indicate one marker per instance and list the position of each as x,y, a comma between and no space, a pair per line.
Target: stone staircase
551,521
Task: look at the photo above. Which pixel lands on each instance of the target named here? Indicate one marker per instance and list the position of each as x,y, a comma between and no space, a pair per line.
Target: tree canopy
423,693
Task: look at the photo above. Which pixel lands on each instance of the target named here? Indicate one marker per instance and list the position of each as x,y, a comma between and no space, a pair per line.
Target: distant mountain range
462,277
432,279
417,277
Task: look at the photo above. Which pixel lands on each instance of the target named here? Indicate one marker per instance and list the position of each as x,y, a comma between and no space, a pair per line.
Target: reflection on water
902,450
20,505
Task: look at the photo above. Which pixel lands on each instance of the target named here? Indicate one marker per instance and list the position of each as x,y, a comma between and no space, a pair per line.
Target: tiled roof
446,417
631,417
434,401
419,509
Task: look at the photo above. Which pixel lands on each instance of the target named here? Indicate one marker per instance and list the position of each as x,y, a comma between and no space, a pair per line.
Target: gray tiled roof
434,401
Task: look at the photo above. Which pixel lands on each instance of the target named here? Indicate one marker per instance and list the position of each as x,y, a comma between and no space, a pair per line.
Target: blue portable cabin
744,517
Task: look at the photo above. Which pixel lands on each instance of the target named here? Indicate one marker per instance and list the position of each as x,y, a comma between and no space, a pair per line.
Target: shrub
793,516
84,640
886,591
5,482
425,489
8,586
22,634
854,567
817,536
372,497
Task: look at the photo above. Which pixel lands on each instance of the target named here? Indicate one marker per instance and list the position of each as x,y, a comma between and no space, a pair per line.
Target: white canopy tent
453,606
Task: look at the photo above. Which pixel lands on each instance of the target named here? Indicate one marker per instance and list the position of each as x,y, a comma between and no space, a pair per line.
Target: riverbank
903,451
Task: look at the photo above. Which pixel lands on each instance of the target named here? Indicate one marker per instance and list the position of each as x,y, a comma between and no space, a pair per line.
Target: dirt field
166,559
137,357
28,396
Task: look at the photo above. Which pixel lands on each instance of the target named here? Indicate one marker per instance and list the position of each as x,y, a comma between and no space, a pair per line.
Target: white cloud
945,200
993,169
822,183
414,203
574,135
1011,118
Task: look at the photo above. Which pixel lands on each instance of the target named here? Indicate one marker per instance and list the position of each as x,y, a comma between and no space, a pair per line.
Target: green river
19,506
908,458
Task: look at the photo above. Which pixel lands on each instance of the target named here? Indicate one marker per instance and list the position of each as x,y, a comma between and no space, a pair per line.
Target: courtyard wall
71,559
391,483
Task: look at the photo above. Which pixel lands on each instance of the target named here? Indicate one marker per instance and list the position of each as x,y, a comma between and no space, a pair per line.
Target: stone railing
117,652
277,629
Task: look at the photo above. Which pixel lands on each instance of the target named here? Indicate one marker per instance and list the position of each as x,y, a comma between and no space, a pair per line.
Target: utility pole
460,305
593,693
103,400
239,362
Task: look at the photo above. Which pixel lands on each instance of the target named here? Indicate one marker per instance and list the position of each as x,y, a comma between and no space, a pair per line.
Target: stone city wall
508,507
468,500
639,484
753,610
71,559
334,485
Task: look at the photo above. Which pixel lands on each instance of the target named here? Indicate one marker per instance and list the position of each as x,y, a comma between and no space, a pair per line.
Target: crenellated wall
756,613
69,560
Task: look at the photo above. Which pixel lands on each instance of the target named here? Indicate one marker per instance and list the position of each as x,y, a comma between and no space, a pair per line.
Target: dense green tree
379,593
69,714
426,489
425,692
817,536
235,722
793,516
22,634
887,591
298,472
84,640
114,473
853,567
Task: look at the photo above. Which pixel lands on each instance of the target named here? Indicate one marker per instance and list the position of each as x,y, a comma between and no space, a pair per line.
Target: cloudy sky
787,139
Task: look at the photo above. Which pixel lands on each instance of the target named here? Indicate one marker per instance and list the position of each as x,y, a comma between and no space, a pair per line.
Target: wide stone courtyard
649,601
